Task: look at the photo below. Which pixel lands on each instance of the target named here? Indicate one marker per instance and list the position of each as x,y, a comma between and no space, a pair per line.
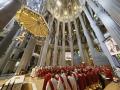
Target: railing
6,76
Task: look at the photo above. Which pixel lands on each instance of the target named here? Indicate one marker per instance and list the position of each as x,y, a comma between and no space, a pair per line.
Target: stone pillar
7,11
48,57
46,44
39,58
100,37
63,44
111,26
43,52
79,41
60,58
55,52
22,43
9,67
26,55
51,57
4,44
93,35
8,52
112,7
86,54
70,41
88,38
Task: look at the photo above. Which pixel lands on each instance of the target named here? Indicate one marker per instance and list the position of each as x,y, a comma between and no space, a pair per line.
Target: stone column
88,38
9,67
112,7
100,37
60,58
8,52
70,41
26,55
48,57
93,35
55,52
22,44
4,44
108,22
46,44
39,58
79,41
63,44
51,57
86,54
7,11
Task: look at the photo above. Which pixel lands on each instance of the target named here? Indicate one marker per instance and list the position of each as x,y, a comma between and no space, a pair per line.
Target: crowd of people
81,77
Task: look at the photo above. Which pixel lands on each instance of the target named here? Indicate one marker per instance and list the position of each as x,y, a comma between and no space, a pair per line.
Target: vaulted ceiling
63,9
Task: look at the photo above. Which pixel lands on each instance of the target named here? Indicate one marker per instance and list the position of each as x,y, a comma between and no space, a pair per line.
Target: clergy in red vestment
46,79
108,73
80,82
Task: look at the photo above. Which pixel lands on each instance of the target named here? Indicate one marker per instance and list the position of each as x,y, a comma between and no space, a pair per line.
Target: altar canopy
32,22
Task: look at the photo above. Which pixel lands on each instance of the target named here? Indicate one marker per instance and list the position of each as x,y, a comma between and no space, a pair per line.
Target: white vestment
54,83
60,85
73,82
65,81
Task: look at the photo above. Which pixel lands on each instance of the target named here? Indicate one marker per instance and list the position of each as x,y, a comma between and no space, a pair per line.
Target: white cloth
65,81
33,73
54,82
60,85
73,82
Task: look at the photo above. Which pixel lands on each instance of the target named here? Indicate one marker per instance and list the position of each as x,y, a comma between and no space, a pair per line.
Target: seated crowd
81,77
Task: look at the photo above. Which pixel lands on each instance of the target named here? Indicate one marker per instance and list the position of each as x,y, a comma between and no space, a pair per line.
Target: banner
114,50
112,46
68,56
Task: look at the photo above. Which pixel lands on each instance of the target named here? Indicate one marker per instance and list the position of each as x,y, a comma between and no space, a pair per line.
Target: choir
81,77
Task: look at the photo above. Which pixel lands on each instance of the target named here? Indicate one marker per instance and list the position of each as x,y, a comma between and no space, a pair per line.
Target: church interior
59,45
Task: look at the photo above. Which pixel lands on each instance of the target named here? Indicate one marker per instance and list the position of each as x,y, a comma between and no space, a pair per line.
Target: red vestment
81,82
46,79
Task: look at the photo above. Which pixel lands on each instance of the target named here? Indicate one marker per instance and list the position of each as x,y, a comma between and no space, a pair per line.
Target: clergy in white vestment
52,84
73,82
64,76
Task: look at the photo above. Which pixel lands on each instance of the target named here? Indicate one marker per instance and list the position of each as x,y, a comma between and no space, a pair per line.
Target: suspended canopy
32,22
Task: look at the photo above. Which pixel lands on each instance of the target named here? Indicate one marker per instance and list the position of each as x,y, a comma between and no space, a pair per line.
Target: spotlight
65,12
58,3
75,7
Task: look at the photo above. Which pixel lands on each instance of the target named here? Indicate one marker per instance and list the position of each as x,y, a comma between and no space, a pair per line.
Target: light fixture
66,17
58,3
74,30
65,12
75,7
17,63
